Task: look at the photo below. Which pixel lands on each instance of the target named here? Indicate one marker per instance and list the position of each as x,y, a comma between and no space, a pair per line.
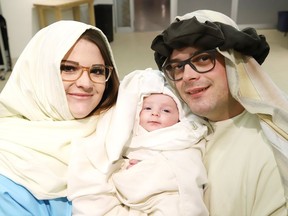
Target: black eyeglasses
72,71
201,62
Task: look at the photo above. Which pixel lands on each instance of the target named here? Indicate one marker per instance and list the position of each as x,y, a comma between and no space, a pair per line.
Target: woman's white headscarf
249,84
35,122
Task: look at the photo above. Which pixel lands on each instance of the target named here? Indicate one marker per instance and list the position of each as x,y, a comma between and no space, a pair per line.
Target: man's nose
190,73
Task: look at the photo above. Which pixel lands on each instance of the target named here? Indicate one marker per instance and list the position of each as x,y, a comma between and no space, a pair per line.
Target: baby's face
158,111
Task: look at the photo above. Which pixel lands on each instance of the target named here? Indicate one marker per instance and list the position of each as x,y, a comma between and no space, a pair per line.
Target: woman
61,86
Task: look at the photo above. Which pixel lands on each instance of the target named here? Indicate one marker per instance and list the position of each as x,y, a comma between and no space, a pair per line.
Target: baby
155,146
163,173
158,111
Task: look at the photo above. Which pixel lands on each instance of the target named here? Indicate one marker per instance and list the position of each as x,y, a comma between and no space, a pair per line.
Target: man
215,69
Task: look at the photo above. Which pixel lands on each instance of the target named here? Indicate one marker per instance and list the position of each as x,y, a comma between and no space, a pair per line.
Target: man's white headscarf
244,51
36,126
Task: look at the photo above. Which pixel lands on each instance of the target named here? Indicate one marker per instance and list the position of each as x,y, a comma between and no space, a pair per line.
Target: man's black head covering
209,35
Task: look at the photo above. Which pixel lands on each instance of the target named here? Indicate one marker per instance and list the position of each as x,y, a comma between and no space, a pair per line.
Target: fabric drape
36,126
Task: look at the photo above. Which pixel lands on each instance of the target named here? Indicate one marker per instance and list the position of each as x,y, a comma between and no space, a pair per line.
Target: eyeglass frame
212,52
87,69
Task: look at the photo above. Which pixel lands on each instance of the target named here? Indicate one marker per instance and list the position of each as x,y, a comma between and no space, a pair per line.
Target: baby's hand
132,162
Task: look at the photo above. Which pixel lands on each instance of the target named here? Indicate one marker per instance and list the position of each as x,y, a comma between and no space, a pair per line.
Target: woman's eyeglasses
72,71
201,62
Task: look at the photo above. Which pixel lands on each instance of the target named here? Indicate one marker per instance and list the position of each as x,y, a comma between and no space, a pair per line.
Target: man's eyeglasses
201,62
72,71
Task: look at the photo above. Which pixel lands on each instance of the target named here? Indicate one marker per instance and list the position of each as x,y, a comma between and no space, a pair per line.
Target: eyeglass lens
201,62
71,71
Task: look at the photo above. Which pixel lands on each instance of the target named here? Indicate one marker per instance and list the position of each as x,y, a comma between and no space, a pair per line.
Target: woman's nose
84,80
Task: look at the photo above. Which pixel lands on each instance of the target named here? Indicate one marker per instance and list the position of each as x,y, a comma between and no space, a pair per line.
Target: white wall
256,13
22,22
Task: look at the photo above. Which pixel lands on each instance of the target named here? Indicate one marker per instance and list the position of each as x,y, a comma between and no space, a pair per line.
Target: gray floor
132,51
